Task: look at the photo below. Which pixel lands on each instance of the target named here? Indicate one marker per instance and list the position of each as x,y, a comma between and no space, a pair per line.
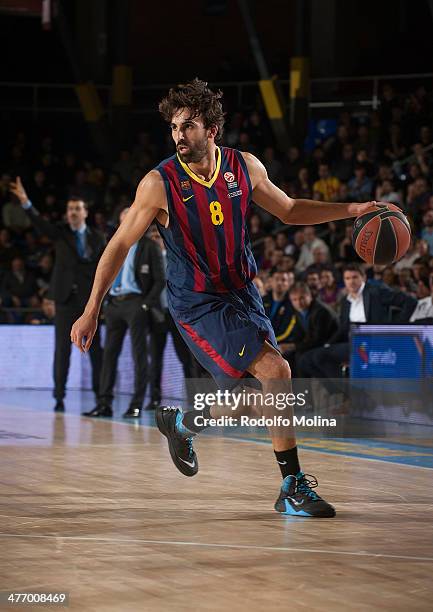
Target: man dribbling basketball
199,198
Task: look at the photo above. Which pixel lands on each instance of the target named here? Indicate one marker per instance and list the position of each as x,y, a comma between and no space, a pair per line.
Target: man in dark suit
363,304
315,324
133,302
78,249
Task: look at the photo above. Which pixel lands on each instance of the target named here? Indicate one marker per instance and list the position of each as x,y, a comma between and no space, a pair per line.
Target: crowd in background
379,155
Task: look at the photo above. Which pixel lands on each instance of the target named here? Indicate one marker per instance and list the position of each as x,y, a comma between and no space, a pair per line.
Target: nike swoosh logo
297,503
190,463
186,199
282,462
241,354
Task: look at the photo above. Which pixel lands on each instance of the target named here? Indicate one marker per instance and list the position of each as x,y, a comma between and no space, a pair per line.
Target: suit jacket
71,272
321,325
149,271
378,301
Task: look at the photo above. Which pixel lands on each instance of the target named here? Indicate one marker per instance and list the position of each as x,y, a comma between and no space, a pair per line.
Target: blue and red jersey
208,248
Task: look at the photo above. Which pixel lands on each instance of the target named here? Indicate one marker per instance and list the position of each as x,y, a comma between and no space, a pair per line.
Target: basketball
382,236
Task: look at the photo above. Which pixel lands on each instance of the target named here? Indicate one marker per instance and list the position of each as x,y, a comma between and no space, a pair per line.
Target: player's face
190,136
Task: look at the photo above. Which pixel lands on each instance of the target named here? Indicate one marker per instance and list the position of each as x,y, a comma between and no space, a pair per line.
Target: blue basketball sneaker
297,498
169,422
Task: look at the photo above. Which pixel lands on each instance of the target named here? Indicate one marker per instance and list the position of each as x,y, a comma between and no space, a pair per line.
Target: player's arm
295,211
149,200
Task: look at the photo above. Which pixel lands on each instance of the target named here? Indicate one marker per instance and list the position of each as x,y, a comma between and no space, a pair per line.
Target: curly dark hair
201,100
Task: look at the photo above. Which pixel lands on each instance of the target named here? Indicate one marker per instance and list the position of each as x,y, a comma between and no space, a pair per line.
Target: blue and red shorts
224,331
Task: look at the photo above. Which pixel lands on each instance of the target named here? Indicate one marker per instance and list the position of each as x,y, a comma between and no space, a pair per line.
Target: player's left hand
360,209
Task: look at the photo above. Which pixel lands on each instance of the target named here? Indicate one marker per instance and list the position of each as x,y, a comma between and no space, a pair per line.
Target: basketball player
199,198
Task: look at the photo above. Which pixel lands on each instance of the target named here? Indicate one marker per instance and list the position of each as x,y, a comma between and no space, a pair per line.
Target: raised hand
17,188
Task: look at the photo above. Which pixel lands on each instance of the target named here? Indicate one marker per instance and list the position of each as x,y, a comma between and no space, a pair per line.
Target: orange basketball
381,236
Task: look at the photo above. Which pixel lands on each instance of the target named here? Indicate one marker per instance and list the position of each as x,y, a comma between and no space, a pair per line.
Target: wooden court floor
96,508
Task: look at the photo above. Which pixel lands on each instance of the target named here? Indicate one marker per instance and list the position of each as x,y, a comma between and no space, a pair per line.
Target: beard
195,153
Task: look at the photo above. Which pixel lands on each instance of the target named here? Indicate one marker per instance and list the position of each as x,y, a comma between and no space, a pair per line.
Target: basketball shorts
224,331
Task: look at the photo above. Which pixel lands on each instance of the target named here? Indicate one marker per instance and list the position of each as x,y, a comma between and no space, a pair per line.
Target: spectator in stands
327,187
8,250
427,229
408,259
423,312
272,165
14,218
5,180
279,308
422,287
295,245
293,165
312,280
385,192
389,278
329,293
333,236
363,304
78,249
320,260
344,166
418,195
346,251
302,185
19,288
45,316
315,324
311,242
360,186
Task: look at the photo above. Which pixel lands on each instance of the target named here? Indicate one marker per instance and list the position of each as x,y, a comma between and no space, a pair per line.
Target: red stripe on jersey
244,204
230,237
182,217
209,238
209,350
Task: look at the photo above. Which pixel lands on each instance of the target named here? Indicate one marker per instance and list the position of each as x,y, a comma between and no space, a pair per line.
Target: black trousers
66,315
121,315
158,340
325,363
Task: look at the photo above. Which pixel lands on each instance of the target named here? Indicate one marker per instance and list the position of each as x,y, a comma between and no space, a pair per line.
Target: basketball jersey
207,242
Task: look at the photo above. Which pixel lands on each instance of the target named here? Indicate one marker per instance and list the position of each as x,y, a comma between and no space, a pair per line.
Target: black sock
288,461
188,419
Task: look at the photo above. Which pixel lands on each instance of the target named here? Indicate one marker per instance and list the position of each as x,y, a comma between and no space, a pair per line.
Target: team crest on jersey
229,177
185,185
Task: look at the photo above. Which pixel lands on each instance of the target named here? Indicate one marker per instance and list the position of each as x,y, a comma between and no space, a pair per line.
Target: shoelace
190,447
305,485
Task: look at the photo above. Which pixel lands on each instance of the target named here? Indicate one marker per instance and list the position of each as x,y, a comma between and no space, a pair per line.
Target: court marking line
214,545
114,421
327,452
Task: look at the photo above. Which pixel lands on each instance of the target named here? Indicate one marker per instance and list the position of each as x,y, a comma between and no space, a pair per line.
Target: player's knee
282,370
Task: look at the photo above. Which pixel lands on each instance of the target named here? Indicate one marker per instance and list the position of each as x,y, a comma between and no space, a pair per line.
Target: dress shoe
60,406
99,411
132,413
153,404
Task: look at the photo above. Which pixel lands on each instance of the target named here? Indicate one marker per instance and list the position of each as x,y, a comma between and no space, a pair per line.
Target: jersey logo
185,185
188,198
241,354
229,177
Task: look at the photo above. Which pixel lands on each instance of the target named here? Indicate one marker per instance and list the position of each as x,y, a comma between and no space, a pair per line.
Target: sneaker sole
185,469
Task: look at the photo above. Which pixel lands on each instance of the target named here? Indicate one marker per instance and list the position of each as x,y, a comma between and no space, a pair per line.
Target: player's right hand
83,331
